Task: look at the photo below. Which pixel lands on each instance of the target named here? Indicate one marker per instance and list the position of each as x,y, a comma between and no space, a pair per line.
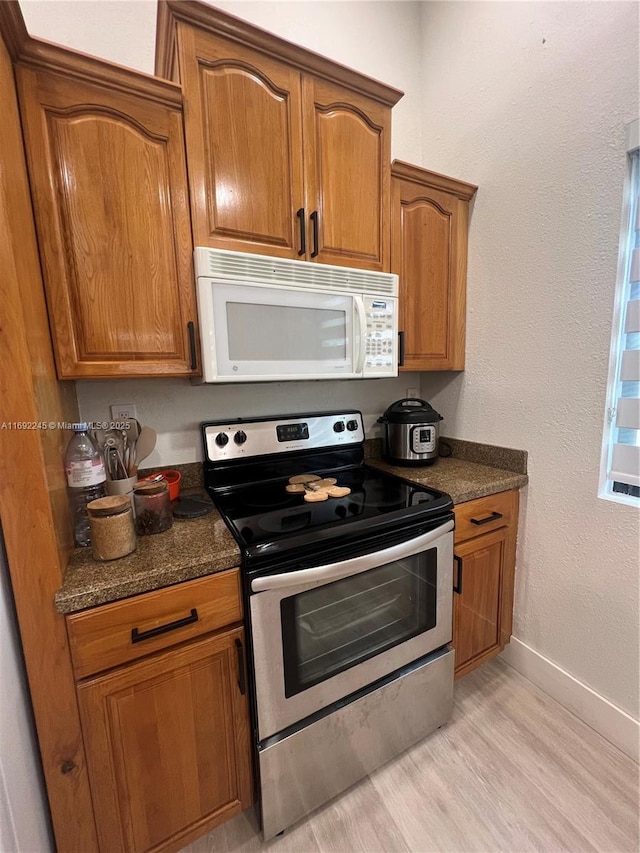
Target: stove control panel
247,438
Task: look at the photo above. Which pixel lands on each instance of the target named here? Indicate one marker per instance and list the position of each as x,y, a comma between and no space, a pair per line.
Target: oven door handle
354,566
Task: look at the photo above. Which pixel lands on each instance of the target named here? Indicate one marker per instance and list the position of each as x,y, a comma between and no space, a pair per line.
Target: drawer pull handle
137,636
457,587
493,517
242,686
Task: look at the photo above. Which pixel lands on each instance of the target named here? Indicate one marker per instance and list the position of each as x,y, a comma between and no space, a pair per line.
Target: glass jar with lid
153,507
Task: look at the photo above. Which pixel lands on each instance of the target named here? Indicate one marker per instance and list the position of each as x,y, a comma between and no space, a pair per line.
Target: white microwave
268,319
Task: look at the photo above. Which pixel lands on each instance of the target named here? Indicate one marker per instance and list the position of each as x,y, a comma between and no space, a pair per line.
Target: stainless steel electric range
348,601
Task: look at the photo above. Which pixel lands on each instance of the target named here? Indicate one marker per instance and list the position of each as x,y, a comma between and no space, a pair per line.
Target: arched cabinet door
347,175
430,215
110,195
244,136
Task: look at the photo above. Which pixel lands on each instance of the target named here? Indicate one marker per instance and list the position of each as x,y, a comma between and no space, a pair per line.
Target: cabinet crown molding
42,55
206,17
433,180
12,28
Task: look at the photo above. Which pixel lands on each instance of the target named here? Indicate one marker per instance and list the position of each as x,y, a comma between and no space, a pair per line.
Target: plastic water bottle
86,479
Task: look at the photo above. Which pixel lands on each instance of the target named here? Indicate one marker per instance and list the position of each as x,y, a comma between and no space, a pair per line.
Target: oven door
322,633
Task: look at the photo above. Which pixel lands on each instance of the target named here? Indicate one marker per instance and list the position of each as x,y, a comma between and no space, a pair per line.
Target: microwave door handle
354,566
362,323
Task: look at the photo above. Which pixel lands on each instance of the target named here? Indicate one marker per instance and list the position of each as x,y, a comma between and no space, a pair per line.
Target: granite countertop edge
88,583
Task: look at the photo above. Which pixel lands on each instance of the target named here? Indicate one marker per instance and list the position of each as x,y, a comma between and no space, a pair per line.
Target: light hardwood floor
512,771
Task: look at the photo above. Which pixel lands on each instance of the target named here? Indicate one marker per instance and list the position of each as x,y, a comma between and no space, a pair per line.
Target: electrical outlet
413,393
120,411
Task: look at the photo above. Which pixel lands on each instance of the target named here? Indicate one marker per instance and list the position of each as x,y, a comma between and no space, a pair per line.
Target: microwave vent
259,269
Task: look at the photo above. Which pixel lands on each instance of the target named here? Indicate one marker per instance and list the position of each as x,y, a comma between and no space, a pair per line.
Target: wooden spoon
145,445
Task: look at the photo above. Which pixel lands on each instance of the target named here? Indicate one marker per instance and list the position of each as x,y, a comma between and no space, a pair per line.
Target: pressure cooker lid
411,410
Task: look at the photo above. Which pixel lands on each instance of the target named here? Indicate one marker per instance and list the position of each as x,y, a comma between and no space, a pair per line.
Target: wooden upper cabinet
347,153
244,137
288,152
430,216
109,185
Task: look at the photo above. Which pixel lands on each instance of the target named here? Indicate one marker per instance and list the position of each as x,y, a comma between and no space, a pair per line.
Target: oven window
337,626
259,332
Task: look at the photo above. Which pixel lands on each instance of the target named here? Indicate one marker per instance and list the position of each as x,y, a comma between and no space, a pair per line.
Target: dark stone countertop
197,547
190,549
463,480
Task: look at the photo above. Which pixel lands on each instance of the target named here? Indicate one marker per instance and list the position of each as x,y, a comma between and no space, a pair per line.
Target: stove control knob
352,426
221,439
338,426
240,437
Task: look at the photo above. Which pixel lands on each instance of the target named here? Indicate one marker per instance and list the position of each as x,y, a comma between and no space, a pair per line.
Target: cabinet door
110,194
168,745
347,176
478,608
244,137
429,254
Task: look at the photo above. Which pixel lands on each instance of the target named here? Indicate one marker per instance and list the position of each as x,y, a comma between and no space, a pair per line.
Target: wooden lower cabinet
168,745
483,578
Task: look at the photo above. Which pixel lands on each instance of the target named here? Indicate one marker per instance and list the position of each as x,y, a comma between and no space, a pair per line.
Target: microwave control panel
381,335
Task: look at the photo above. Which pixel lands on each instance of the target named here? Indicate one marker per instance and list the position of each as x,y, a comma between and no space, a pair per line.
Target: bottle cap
82,426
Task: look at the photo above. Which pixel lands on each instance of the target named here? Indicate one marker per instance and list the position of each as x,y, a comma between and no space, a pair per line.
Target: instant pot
412,428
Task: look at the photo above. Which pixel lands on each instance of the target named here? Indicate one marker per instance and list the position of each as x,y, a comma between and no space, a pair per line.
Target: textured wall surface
529,101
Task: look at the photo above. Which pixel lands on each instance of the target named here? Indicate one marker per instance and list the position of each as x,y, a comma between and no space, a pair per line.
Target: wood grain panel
243,125
109,181
425,312
429,253
163,739
503,504
478,609
201,16
33,511
347,175
100,638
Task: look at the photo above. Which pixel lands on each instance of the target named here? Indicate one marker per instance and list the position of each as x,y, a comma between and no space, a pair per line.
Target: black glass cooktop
264,517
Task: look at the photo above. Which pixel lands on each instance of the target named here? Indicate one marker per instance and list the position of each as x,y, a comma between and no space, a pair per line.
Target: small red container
173,478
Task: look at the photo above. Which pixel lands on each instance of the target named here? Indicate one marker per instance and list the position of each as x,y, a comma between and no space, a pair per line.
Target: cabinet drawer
484,514
113,634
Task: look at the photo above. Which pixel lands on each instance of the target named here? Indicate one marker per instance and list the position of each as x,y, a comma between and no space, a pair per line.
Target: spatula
145,445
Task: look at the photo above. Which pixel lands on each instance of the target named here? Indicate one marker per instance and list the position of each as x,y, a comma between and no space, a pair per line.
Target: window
620,463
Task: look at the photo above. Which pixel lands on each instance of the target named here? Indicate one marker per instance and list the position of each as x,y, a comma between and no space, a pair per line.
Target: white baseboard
610,721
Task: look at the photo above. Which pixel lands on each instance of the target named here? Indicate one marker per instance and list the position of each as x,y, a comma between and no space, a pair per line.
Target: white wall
529,101
381,39
23,809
